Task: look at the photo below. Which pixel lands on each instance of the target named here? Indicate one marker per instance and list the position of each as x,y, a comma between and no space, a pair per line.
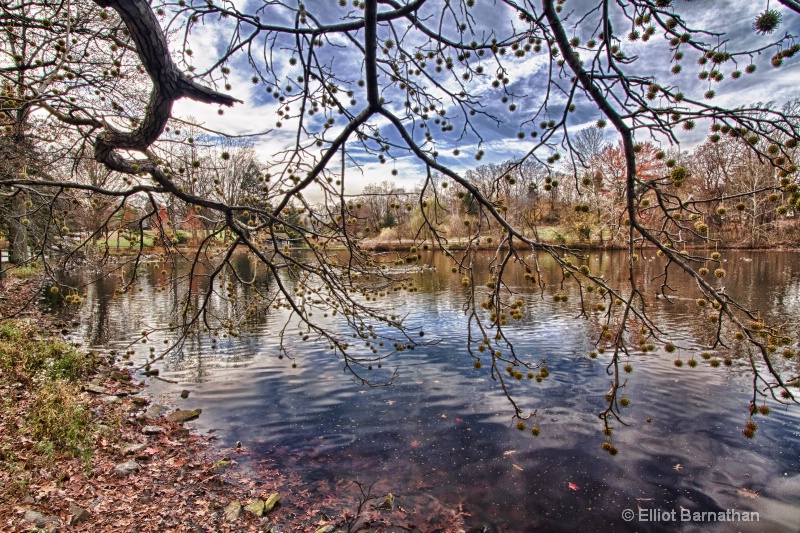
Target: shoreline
404,245
148,471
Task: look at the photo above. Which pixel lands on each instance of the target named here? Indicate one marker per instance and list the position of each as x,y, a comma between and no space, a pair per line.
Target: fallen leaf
677,467
572,486
459,419
509,452
747,493
517,467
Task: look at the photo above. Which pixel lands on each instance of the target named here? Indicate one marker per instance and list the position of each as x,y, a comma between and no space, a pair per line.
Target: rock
139,401
256,507
96,388
120,376
40,520
184,394
126,468
149,373
108,399
272,500
387,504
132,449
152,430
222,464
232,511
79,514
184,415
155,410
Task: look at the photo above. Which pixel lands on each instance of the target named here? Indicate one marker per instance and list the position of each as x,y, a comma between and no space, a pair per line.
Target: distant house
282,238
190,223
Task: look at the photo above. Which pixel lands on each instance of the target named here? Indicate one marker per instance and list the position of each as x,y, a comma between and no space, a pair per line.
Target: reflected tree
371,82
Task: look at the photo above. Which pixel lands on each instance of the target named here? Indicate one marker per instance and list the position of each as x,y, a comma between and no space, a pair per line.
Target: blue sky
528,78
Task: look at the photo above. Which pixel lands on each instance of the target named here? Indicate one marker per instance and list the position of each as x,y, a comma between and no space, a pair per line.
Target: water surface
443,431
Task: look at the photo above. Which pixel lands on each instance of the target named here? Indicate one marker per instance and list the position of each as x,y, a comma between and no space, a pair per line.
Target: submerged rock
256,507
386,504
272,500
184,415
232,511
222,464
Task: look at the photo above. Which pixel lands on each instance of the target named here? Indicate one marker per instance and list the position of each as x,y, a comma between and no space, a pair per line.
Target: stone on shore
78,514
126,468
41,520
155,410
184,415
132,449
96,388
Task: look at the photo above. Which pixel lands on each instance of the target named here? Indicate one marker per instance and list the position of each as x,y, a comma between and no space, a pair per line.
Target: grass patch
123,243
24,271
24,357
58,422
41,406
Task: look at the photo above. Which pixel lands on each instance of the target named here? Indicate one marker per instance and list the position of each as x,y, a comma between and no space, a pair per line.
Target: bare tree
378,81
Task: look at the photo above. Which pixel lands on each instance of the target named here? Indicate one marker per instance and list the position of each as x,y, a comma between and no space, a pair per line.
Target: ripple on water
445,431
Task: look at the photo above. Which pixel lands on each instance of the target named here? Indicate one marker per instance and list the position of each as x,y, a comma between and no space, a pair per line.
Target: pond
442,438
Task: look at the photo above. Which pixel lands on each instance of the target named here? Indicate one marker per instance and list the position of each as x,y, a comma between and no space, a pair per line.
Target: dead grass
41,415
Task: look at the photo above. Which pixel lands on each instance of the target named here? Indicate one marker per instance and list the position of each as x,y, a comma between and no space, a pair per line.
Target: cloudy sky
729,23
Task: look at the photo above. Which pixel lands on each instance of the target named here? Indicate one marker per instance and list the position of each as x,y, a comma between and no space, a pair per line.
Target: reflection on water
444,430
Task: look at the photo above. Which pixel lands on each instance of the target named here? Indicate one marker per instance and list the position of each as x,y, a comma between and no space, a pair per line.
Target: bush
388,234
182,236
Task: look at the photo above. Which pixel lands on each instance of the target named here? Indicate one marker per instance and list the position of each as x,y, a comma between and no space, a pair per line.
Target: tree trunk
18,251
753,223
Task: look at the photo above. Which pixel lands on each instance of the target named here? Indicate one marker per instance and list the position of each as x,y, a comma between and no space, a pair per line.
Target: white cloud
528,78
